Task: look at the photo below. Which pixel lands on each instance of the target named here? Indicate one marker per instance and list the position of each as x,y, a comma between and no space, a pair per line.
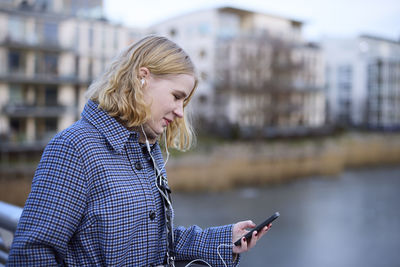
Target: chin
160,131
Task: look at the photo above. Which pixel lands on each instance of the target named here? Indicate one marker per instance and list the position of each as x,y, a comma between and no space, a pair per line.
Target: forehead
180,82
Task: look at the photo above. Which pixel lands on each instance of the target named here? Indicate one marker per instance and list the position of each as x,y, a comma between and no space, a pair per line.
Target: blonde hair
118,91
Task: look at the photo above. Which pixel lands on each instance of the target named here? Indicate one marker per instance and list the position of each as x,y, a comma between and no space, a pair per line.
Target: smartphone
258,228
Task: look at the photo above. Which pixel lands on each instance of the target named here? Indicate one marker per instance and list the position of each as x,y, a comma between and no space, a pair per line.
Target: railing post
9,217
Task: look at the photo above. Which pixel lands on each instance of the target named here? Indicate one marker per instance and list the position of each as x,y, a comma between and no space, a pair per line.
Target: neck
146,132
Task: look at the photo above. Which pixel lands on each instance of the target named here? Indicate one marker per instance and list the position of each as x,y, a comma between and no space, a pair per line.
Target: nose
178,111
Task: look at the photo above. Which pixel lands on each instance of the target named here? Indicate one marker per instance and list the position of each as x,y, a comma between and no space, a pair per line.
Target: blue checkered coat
94,203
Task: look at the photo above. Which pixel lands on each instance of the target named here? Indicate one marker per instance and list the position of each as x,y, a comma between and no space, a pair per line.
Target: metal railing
9,217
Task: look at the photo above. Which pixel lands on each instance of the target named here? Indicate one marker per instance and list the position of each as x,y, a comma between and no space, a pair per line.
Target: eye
177,97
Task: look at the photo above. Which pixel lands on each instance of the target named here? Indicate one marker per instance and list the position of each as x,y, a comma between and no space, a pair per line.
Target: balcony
35,44
22,111
47,79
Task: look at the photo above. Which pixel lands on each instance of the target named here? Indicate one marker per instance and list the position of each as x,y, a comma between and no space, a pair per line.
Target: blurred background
297,111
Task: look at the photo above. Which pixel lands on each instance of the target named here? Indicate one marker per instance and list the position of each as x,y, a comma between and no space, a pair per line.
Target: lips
167,121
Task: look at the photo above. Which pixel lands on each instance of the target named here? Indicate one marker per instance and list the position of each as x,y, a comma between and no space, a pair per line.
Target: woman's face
165,96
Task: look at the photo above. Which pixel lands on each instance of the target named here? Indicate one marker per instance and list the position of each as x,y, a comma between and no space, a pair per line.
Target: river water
348,220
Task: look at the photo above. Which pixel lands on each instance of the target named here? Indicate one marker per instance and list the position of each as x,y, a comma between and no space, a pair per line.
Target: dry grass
230,165
371,150
251,164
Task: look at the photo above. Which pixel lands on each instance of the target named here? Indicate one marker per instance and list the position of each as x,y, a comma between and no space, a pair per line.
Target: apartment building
51,51
256,70
363,81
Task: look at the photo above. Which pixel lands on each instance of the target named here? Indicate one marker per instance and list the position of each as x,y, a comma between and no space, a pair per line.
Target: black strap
162,184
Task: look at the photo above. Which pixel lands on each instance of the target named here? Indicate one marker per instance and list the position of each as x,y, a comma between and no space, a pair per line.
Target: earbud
142,81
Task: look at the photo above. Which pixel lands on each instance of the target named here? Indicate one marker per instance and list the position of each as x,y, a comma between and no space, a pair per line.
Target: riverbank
252,163
218,166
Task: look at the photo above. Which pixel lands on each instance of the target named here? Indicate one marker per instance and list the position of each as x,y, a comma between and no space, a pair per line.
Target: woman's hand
239,230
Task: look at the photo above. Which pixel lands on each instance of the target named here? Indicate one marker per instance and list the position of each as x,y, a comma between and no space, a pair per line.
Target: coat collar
114,132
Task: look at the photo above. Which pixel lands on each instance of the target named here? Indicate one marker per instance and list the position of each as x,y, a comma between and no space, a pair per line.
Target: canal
348,220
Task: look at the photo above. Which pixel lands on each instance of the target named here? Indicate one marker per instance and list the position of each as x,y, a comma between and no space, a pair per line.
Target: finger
242,247
244,244
266,228
253,240
262,232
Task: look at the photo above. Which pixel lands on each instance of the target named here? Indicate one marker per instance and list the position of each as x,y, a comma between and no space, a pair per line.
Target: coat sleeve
194,243
53,209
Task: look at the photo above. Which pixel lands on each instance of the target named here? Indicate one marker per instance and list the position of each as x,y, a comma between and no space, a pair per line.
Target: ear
144,73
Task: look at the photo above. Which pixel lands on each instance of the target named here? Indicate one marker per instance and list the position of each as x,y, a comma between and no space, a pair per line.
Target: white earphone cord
219,255
149,150
158,171
166,198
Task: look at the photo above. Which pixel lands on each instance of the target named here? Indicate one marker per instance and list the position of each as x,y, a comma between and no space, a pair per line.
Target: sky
321,18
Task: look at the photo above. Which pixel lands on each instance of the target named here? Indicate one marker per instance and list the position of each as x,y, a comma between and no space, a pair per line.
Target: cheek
168,104
148,100
159,110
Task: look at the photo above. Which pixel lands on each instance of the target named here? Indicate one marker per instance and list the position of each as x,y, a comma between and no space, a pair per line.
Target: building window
103,64
16,125
50,96
77,61
51,61
16,95
46,128
230,25
18,129
43,5
90,69
15,61
172,32
16,29
204,28
73,6
77,37
344,79
202,99
50,32
116,39
103,38
50,125
91,37
203,76
47,63
202,54
77,96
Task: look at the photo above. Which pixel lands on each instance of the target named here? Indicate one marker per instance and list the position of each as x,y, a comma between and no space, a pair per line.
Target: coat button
138,166
152,215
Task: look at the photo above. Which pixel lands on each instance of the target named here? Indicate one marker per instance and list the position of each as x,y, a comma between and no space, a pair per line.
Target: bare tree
261,71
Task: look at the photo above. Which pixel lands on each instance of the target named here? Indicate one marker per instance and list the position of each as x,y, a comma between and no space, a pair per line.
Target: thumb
246,224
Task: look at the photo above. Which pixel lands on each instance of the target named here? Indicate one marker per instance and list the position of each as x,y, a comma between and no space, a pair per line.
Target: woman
99,196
